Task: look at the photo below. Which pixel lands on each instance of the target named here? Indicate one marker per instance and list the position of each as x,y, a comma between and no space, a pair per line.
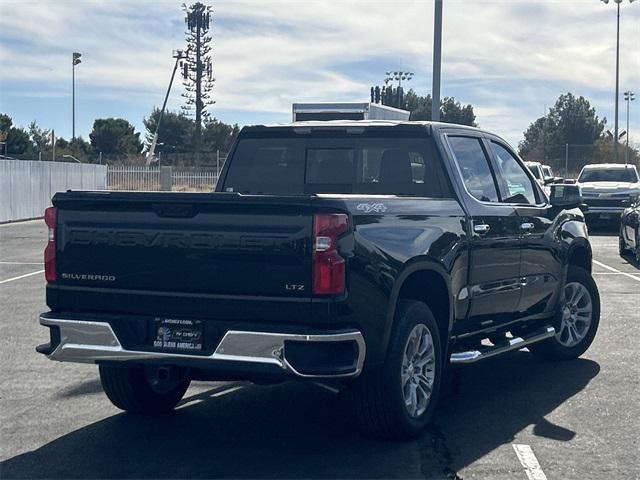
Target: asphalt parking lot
578,419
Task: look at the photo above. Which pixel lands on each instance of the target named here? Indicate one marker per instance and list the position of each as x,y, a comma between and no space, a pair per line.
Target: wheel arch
426,282
580,255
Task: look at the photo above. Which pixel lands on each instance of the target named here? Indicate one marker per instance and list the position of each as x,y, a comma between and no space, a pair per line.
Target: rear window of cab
295,165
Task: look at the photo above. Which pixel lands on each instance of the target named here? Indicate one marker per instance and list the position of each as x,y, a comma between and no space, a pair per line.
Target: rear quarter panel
392,238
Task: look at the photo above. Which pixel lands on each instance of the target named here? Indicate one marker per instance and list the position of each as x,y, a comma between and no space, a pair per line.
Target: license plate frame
177,334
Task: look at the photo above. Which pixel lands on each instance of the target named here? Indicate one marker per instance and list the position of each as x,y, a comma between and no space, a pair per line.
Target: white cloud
508,58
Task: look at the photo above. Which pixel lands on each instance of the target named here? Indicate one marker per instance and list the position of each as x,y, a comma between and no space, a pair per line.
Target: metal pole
615,139
566,160
73,97
437,61
100,157
152,148
626,154
53,143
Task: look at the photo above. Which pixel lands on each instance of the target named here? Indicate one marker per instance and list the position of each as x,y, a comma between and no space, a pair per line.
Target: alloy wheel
418,370
577,313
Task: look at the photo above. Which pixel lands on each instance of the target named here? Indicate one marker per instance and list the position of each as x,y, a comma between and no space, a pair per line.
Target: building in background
347,111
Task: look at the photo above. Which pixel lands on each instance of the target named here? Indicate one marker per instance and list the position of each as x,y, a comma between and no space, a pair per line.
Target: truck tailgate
214,243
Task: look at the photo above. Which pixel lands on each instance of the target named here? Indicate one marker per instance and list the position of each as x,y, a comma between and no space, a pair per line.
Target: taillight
328,265
50,249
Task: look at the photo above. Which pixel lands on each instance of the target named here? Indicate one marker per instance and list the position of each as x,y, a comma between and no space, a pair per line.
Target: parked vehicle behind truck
366,256
608,188
629,235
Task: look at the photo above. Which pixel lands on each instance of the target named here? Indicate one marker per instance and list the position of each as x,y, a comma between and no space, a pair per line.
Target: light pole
629,97
398,76
437,61
75,60
615,136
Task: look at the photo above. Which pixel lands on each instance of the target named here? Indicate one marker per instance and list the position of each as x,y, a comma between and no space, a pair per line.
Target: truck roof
608,166
362,123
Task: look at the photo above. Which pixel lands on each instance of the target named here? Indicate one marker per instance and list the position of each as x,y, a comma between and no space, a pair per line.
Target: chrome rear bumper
91,342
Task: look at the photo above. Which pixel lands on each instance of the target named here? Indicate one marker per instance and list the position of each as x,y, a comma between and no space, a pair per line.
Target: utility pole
178,55
629,97
75,60
437,61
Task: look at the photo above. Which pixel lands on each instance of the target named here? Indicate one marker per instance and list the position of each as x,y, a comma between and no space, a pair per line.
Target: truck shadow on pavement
297,430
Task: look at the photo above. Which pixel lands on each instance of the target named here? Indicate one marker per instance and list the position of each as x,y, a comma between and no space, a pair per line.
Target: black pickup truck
365,256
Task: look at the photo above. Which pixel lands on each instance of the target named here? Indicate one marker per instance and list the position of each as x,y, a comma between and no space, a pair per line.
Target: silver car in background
607,188
540,175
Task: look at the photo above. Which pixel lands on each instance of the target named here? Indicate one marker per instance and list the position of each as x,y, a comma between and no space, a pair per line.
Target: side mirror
548,180
567,196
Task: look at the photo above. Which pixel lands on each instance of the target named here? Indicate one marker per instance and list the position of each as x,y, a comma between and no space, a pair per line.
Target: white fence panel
133,178
142,178
26,187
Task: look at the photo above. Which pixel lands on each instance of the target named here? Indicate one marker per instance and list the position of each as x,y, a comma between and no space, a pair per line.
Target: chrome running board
515,343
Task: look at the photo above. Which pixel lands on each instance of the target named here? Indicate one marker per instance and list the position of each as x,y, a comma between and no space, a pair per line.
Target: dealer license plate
178,334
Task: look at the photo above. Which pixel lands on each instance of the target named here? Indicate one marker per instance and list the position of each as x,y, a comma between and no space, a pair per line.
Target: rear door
541,266
494,276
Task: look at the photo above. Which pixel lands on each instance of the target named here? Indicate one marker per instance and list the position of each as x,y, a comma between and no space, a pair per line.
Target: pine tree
197,66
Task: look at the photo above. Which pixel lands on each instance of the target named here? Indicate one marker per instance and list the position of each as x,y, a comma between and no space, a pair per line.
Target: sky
510,59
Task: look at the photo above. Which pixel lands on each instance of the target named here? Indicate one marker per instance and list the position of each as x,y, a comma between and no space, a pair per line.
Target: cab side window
515,185
474,167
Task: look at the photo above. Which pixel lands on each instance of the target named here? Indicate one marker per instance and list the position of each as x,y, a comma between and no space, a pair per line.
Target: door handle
527,226
481,228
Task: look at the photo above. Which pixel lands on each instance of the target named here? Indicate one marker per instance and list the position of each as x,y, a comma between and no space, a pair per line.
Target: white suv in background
607,188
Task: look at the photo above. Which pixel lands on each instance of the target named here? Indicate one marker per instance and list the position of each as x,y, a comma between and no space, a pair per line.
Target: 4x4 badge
371,207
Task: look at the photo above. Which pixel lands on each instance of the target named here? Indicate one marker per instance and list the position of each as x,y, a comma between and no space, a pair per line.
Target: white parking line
21,276
611,269
20,263
529,462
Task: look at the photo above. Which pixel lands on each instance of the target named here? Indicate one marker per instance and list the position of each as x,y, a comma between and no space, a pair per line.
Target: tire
379,395
575,333
130,389
622,248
